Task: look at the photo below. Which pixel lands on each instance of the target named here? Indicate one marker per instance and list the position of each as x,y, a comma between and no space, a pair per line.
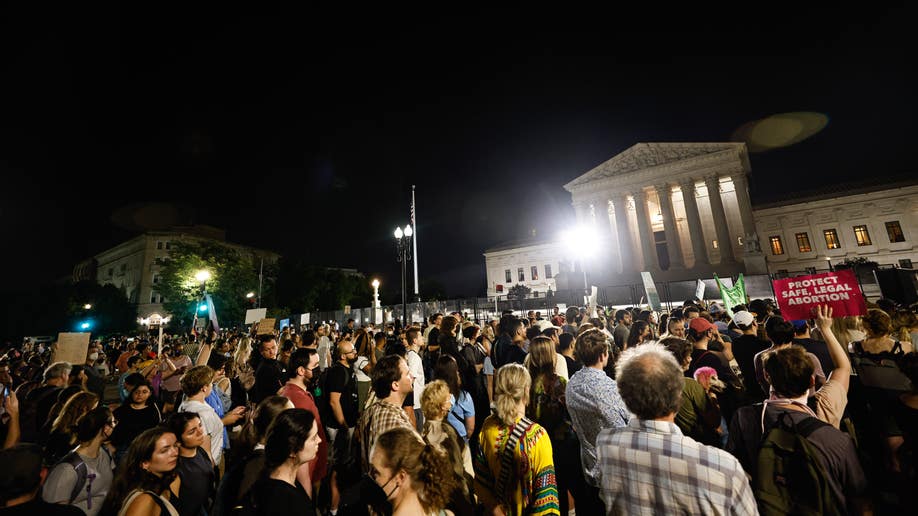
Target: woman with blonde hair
436,404
63,431
905,327
413,475
528,485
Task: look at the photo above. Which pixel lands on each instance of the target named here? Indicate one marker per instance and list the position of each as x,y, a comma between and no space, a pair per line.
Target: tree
233,274
304,287
518,292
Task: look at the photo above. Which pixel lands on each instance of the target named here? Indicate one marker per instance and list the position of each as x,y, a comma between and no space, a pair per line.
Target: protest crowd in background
701,409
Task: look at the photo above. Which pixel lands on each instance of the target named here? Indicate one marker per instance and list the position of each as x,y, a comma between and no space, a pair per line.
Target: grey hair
650,381
57,369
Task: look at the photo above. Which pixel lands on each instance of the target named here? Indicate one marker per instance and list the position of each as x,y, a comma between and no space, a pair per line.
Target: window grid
803,242
507,276
861,235
520,274
776,246
534,272
547,271
831,239
894,230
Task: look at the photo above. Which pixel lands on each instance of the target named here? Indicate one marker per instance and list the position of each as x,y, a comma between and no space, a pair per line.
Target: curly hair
432,399
426,464
877,323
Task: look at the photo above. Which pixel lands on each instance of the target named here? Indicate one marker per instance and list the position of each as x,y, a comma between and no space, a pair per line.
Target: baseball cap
743,317
799,324
700,325
544,325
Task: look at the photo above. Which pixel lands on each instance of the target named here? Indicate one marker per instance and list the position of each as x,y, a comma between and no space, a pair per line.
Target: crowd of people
629,411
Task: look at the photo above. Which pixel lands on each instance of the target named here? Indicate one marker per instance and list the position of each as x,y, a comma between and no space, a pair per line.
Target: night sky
303,131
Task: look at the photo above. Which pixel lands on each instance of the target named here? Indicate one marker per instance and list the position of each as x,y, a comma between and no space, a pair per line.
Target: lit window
534,272
547,271
519,273
508,279
739,241
776,246
895,231
831,239
861,235
803,243
714,243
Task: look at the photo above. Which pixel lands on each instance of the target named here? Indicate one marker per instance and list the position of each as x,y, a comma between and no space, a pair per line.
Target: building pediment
662,157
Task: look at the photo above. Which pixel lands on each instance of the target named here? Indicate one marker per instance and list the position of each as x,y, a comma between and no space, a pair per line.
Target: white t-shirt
416,367
324,350
358,369
212,425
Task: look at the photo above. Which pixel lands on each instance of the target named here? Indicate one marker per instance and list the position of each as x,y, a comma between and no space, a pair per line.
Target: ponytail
429,468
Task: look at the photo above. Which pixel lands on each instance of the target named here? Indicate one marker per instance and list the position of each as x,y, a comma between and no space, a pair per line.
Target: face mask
93,356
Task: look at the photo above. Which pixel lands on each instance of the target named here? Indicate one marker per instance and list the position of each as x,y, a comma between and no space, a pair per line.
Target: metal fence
672,294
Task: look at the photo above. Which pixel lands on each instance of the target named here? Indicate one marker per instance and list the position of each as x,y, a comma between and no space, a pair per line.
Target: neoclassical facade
533,264
675,209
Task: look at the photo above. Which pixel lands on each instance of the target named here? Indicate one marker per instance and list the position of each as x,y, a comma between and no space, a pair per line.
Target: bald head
345,350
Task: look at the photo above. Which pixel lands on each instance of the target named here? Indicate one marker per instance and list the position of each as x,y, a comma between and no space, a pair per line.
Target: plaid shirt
649,467
376,420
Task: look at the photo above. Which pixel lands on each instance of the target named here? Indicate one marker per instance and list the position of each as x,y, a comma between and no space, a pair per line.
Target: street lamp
375,303
403,244
250,295
87,306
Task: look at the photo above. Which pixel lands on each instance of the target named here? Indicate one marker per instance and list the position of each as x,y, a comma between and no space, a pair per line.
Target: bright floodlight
87,306
202,276
408,231
375,283
203,307
84,326
250,295
582,242
398,233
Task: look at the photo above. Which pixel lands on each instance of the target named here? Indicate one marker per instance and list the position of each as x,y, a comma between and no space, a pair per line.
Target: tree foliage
233,274
303,287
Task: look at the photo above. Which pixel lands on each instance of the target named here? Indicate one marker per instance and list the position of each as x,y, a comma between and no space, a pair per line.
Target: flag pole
414,242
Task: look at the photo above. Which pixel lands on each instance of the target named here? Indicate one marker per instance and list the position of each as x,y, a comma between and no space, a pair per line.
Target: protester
292,441
84,476
436,404
462,415
418,473
63,436
146,480
197,385
21,480
392,382
533,488
651,446
303,365
134,417
269,375
194,469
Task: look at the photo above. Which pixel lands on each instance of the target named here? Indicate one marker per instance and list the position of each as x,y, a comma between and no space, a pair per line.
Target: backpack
28,413
790,478
880,370
84,478
321,396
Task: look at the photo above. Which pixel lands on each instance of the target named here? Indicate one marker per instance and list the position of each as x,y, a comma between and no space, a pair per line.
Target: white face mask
93,356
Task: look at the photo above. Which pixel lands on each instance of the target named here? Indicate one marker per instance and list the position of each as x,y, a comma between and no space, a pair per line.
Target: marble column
696,233
673,246
741,186
645,231
603,260
623,230
720,220
582,212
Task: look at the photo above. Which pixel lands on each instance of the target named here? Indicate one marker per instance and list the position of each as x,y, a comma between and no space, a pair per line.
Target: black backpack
84,479
790,478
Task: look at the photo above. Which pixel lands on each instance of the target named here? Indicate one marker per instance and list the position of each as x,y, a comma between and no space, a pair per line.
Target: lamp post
202,276
375,303
403,243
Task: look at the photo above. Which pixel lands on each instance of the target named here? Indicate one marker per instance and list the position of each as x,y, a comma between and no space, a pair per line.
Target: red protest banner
840,290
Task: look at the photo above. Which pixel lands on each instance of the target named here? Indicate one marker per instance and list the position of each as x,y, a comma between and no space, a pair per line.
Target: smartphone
6,391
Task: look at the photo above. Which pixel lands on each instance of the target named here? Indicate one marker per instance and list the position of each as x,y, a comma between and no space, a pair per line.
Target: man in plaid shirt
649,466
391,382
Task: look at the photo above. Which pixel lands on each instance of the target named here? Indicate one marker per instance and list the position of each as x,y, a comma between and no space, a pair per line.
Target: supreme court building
691,200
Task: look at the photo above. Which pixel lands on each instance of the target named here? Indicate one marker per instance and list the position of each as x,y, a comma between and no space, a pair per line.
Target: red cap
701,325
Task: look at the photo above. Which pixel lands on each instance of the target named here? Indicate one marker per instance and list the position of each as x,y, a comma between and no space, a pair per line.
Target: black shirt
744,350
572,365
269,378
273,497
40,507
133,422
821,350
197,476
341,379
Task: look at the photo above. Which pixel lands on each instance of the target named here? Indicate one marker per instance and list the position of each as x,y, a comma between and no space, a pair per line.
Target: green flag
732,296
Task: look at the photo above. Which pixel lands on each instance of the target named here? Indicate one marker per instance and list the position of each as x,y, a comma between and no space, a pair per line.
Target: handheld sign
265,326
254,315
653,298
839,289
72,348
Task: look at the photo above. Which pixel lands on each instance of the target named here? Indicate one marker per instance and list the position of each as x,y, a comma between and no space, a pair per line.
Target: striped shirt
650,467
